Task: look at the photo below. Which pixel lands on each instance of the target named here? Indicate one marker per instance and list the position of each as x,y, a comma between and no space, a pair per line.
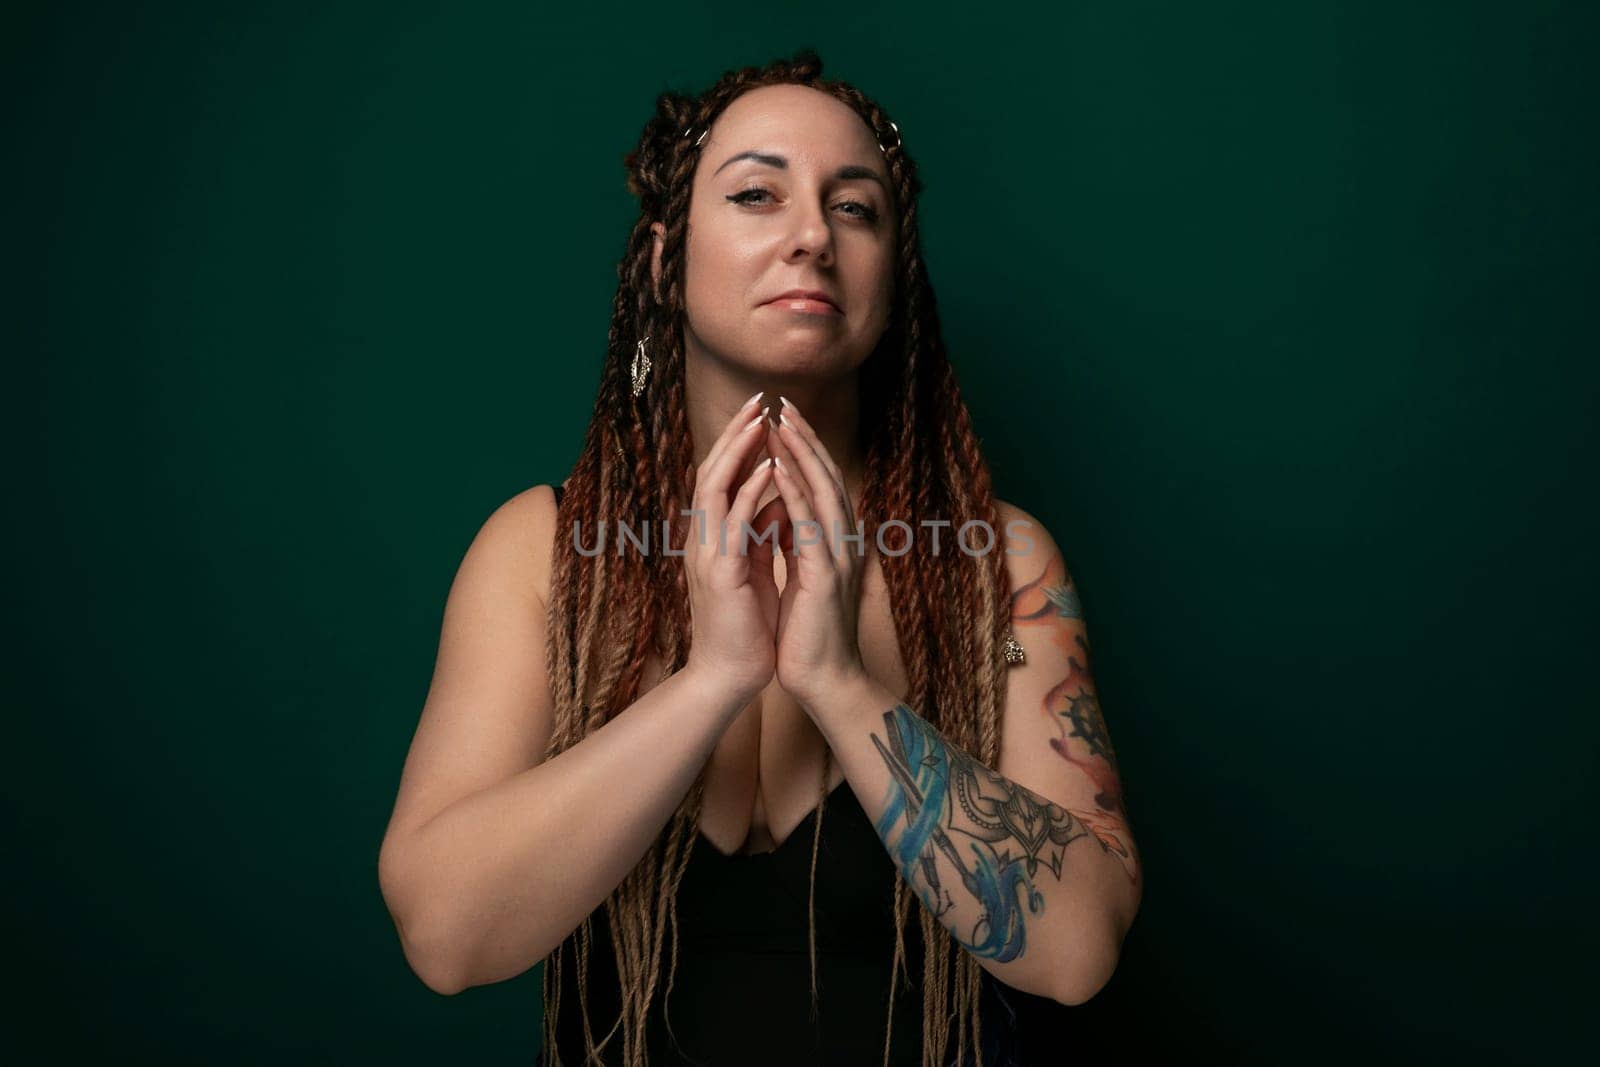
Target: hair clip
702,136
885,149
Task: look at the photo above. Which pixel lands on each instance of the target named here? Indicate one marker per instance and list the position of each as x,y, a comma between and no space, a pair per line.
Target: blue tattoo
928,781
1065,597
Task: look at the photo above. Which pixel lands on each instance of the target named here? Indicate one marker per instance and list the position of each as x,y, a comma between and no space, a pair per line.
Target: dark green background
1280,316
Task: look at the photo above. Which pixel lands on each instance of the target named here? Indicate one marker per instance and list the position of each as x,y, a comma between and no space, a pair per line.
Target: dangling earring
1013,651
641,366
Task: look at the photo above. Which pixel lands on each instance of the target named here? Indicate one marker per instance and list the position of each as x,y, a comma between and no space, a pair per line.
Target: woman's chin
802,352
786,353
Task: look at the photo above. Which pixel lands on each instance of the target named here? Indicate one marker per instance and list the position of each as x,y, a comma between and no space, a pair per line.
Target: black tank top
742,993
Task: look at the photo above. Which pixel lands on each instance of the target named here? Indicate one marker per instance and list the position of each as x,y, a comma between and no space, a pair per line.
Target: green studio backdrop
1279,316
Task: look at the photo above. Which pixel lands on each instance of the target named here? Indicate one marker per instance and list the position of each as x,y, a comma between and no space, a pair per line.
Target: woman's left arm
1040,893
1030,864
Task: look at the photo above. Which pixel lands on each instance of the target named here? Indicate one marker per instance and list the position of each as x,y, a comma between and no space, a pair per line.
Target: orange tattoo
1050,608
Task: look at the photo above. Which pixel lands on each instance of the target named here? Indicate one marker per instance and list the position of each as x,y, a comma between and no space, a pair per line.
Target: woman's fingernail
752,400
783,417
783,401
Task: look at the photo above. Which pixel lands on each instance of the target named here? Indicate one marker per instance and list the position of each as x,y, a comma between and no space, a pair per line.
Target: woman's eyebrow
846,173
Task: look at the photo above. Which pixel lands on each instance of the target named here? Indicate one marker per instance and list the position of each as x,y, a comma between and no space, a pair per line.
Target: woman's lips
803,305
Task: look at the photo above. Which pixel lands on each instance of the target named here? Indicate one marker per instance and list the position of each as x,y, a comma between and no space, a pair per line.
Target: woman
578,749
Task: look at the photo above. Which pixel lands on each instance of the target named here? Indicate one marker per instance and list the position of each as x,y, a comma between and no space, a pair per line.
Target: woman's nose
812,235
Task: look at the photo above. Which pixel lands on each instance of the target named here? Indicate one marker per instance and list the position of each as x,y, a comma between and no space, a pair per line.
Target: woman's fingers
790,415
716,476
808,539
744,506
740,420
754,456
774,511
828,500
735,423
761,553
781,452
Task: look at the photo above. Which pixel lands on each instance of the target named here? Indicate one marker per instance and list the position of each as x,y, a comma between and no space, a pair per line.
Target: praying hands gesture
818,653
743,629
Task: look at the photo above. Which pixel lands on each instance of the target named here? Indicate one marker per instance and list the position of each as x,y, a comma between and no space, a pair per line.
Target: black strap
559,490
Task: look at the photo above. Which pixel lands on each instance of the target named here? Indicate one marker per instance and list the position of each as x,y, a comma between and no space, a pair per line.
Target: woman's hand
733,599
818,650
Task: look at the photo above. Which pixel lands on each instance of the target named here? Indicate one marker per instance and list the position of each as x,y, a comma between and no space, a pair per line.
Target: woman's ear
657,229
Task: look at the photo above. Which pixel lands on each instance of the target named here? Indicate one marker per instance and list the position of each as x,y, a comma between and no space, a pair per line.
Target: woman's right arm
486,885
493,854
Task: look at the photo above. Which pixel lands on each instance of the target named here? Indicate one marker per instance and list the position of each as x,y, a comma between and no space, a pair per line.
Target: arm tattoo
1002,836
1051,603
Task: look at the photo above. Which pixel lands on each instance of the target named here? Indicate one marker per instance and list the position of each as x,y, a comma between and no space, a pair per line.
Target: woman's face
814,212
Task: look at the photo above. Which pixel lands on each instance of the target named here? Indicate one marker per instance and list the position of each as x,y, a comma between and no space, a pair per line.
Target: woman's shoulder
523,530
1028,544
1008,512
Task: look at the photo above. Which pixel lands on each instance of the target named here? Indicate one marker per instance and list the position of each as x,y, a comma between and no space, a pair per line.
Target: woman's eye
864,212
867,212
